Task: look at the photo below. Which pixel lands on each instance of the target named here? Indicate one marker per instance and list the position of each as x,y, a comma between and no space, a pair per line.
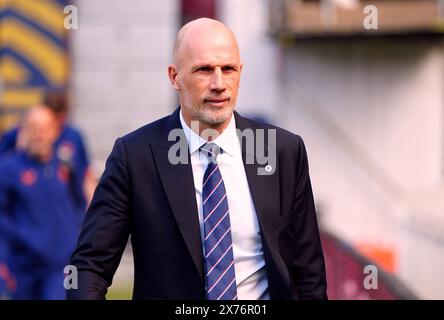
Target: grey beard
206,114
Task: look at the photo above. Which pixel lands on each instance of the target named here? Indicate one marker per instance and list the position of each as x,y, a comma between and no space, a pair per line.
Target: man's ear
172,74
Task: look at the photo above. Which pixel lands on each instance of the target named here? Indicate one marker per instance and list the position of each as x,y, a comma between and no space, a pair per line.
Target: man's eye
204,69
227,68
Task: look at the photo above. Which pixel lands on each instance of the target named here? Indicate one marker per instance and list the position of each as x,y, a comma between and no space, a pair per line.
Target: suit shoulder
150,133
283,136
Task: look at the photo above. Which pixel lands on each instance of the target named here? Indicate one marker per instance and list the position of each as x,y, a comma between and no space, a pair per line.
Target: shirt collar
227,140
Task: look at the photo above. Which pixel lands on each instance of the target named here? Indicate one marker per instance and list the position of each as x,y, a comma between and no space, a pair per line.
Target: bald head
38,112
201,31
206,73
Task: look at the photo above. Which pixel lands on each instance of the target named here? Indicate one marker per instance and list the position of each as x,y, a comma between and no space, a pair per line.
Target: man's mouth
217,101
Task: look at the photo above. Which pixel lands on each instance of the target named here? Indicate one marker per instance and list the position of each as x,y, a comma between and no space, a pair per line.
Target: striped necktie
219,259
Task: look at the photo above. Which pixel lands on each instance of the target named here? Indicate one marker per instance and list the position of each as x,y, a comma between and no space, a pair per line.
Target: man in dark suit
208,221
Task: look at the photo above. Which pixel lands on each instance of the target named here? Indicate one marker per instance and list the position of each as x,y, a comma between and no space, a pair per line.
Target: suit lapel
264,191
177,179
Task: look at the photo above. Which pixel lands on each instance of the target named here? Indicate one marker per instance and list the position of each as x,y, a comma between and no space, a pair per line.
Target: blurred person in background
70,149
39,217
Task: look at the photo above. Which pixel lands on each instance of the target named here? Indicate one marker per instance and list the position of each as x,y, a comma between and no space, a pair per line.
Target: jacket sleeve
105,230
308,267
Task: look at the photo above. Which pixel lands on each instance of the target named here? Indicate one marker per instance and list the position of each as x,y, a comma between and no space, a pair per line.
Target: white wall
120,55
371,114
259,83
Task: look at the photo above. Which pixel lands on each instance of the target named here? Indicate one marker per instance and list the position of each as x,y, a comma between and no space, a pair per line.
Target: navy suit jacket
143,195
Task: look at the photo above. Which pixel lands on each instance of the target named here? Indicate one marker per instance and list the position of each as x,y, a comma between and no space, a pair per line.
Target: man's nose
217,80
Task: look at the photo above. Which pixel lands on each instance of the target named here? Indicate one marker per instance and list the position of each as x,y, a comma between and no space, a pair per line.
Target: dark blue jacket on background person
43,223
71,151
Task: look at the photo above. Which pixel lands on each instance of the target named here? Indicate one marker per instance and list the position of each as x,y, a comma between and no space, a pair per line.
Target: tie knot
211,151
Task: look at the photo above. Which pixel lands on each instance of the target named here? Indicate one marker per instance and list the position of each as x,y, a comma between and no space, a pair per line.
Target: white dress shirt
249,263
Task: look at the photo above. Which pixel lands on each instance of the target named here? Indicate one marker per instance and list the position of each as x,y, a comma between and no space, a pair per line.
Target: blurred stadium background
368,103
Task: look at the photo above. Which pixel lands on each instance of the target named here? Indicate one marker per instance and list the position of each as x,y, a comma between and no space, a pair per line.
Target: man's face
41,130
207,77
